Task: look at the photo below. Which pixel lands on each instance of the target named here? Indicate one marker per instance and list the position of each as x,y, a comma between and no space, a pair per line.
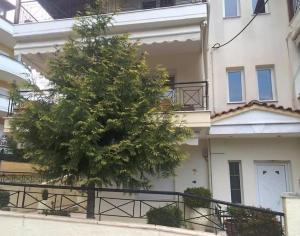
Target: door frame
288,176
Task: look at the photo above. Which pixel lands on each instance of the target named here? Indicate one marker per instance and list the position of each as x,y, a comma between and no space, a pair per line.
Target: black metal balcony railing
188,96
214,215
30,10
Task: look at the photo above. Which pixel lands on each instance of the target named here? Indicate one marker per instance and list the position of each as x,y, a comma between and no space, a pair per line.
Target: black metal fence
236,220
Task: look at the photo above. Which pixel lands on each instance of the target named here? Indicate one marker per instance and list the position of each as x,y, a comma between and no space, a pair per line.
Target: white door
271,183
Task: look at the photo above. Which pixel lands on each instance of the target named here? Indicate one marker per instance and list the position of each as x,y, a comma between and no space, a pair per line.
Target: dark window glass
167,3
148,4
259,6
235,182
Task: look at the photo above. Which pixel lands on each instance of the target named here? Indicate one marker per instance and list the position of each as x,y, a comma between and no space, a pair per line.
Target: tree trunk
90,214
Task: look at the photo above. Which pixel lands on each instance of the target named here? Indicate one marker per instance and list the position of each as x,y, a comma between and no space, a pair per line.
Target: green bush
197,203
248,222
4,198
167,216
56,213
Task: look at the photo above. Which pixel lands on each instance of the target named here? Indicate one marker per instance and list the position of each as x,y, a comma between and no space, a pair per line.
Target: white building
245,151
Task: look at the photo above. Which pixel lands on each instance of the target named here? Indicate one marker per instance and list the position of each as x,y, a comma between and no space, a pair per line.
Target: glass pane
264,77
236,196
234,168
259,6
235,182
231,8
235,86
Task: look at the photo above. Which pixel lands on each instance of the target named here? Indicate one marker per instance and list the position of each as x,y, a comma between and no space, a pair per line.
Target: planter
230,227
197,219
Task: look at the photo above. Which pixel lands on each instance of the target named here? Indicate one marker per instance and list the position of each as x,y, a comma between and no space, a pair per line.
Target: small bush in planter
45,194
4,198
167,216
248,222
197,203
56,213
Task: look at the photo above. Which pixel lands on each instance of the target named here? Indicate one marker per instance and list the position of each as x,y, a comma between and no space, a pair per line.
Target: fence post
291,206
23,202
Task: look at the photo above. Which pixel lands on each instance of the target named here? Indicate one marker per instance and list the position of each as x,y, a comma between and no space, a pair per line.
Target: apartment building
239,98
12,72
255,127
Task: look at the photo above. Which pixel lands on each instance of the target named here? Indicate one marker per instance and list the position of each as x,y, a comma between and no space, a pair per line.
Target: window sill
272,101
236,103
230,17
262,14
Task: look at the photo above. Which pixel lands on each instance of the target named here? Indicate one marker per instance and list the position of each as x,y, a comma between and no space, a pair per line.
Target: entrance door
271,183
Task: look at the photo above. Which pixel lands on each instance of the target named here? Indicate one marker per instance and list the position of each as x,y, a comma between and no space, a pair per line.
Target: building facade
241,98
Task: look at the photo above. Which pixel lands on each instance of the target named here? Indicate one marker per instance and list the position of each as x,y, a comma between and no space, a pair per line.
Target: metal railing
41,10
187,96
214,215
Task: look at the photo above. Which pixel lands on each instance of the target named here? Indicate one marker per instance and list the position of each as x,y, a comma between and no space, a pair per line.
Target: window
235,86
235,181
231,8
265,84
148,4
259,6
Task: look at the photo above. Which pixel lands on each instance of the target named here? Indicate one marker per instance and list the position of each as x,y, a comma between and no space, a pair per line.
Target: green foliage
4,198
198,192
56,213
248,222
102,122
167,216
45,194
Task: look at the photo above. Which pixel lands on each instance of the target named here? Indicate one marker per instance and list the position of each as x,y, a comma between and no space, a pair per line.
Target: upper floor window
265,80
235,85
259,6
231,8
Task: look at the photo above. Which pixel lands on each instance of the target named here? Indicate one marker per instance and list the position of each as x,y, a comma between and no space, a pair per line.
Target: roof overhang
256,120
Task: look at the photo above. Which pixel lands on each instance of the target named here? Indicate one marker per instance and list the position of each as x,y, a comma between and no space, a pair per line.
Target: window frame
240,179
267,9
273,81
236,69
238,10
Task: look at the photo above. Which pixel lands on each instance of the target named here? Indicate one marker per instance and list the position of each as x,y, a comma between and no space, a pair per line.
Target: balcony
190,100
12,70
42,10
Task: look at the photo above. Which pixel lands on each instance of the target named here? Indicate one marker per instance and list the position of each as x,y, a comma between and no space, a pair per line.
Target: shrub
197,203
45,194
4,198
167,216
56,213
248,222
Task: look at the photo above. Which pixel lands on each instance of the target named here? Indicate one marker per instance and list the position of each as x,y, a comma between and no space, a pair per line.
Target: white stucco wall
249,150
291,206
293,38
262,43
185,66
193,171
13,224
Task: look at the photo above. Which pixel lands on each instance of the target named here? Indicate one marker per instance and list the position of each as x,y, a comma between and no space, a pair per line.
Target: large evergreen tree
103,121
